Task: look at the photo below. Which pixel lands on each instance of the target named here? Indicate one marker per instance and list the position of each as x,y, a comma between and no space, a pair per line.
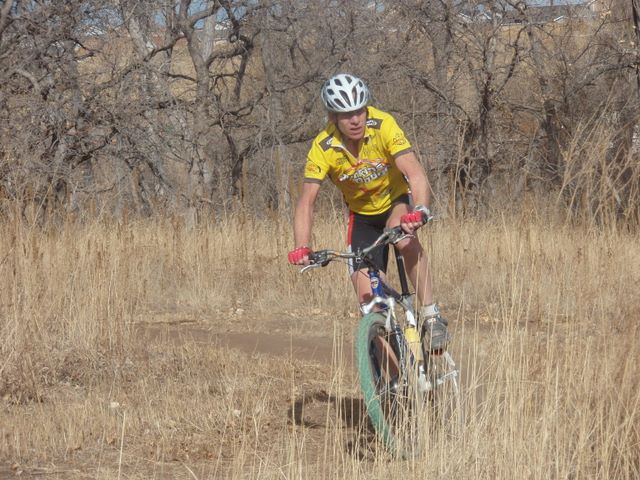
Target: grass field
149,350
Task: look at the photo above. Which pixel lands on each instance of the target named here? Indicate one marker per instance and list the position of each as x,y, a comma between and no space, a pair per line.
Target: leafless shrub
200,107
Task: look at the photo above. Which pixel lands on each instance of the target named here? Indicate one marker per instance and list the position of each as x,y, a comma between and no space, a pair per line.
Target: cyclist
368,157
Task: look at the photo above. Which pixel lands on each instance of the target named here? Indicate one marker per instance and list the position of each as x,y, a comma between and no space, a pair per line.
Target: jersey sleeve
316,168
394,138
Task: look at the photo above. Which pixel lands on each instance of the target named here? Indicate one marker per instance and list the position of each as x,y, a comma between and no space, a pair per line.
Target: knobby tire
403,411
387,412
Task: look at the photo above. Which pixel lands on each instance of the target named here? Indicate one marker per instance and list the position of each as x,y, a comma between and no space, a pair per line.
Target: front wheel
389,385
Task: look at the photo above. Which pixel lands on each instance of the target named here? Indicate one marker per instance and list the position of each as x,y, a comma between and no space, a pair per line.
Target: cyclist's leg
416,260
419,272
362,286
363,231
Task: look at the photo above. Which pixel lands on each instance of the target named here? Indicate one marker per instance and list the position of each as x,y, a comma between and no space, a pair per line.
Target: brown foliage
197,107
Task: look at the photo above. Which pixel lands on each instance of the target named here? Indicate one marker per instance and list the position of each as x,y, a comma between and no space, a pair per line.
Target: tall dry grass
111,365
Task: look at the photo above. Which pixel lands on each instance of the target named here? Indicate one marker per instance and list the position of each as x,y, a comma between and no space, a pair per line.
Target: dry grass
114,365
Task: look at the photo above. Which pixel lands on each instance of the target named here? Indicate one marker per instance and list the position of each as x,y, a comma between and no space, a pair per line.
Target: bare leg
362,285
416,260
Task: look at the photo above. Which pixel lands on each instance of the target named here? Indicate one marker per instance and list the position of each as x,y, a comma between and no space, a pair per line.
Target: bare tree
52,128
197,105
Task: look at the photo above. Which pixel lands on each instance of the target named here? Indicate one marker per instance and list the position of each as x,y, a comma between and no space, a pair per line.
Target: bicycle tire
390,397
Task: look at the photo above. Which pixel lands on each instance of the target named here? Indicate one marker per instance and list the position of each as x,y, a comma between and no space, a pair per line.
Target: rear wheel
391,396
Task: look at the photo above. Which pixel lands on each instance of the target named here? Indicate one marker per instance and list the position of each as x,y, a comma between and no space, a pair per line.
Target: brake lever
320,258
396,237
310,266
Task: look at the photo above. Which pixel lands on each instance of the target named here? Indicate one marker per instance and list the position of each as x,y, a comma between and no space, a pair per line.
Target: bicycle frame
385,295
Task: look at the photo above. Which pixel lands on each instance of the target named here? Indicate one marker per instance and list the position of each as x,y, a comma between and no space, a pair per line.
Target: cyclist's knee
409,247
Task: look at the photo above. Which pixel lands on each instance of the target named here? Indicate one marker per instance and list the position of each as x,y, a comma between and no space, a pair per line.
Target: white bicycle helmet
344,93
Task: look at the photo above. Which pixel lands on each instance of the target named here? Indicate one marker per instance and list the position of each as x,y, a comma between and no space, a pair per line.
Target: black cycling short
365,229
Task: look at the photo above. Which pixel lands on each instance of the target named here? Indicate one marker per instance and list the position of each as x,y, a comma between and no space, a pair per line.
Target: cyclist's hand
410,222
299,256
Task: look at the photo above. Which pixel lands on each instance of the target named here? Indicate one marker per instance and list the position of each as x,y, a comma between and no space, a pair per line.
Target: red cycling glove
296,255
420,214
412,217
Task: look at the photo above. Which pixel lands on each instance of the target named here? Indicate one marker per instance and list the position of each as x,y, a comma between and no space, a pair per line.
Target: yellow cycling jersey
371,182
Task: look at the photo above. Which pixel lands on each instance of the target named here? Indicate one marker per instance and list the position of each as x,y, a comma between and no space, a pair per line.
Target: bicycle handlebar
322,258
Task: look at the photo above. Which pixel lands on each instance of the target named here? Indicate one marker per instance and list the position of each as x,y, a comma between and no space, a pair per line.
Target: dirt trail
318,349
311,348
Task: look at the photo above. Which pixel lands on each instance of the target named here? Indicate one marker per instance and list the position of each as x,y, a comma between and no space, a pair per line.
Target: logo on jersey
326,143
399,139
312,168
365,174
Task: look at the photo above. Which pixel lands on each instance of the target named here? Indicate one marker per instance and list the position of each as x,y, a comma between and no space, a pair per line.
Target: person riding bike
367,156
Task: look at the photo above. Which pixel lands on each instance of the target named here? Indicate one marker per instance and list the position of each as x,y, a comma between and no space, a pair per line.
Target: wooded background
198,108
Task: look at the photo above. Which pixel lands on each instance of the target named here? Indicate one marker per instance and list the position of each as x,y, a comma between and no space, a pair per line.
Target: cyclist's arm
303,219
414,172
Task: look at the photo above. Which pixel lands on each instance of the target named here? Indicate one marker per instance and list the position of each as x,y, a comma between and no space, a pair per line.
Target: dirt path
314,348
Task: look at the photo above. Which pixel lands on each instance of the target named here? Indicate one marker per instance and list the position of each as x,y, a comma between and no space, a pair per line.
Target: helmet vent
344,93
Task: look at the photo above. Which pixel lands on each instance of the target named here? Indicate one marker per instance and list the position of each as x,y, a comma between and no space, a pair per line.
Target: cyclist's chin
355,136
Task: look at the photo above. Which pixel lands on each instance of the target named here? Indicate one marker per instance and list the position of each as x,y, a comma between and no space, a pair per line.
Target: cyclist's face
351,124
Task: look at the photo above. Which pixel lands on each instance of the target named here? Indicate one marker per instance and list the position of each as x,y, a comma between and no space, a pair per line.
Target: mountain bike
406,388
